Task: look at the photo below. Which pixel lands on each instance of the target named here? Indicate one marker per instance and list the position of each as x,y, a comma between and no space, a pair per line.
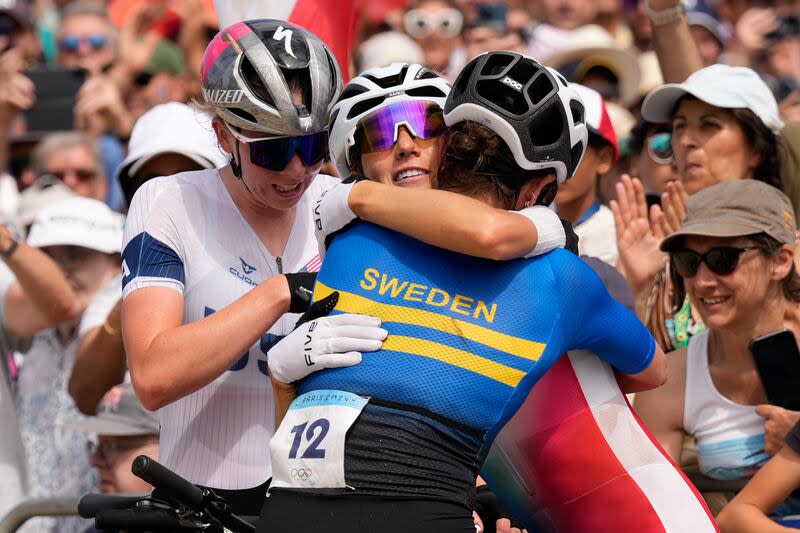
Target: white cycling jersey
184,232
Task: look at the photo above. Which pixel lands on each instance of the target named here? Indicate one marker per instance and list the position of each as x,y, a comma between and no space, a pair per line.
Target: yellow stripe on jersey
454,356
353,303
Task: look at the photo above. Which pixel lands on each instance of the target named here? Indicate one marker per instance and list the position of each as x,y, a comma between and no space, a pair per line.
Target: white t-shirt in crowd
597,236
184,232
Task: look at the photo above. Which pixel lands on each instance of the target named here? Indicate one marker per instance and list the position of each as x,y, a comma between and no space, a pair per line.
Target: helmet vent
561,79
352,90
427,74
388,82
254,83
577,110
503,96
575,155
244,115
540,89
299,80
496,64
364,106
426,92
548,127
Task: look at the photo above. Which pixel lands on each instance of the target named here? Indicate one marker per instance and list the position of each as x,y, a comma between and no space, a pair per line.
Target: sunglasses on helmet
274,153
419,23
71,43
659,148
379,131
721,260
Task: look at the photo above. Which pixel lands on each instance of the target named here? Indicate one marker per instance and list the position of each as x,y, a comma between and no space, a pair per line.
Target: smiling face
709,145
278,190
410,162
737,299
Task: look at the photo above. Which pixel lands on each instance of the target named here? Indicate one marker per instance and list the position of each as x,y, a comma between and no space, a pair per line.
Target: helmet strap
236,166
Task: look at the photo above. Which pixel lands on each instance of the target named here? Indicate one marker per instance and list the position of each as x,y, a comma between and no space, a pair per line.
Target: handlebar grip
93,503
143,519
167,481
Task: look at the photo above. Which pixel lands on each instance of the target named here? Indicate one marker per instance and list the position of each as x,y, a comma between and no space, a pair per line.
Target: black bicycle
175,504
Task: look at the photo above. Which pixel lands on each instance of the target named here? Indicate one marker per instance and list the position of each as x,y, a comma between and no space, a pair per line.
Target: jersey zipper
279,262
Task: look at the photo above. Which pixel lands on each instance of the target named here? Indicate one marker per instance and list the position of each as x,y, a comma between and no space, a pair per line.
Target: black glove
320,308
301,287
490,509
572,237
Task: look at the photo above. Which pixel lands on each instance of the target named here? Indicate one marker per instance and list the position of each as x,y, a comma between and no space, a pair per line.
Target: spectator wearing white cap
167,139
577,199
83,237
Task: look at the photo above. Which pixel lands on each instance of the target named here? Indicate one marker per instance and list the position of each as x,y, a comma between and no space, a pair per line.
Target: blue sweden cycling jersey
468,337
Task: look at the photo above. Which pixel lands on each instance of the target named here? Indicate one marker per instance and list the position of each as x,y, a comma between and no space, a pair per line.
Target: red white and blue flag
331,20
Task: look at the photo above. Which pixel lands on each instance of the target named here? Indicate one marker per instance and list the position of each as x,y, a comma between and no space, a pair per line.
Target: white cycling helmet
530,106
373,90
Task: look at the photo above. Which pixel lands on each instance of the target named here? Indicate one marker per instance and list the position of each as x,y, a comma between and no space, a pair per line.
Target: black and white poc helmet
530,106
373,90
244,75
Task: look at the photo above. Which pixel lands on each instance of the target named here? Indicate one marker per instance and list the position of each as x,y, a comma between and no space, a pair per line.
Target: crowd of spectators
694,124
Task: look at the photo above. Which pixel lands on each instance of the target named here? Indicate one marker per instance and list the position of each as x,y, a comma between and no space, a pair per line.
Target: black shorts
302,512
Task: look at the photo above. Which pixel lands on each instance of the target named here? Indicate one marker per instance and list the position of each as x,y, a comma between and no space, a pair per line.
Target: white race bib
307,450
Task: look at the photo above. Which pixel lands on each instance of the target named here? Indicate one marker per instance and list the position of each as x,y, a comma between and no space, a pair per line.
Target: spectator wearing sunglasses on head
733,256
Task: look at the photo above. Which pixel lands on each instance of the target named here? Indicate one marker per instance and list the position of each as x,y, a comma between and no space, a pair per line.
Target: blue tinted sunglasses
71,43
274,153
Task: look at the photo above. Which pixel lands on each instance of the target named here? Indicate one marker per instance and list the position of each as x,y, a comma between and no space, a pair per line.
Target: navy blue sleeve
149,261
592,320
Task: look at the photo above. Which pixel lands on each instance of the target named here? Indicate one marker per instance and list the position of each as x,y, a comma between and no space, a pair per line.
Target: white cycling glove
332,213
326,342
548,226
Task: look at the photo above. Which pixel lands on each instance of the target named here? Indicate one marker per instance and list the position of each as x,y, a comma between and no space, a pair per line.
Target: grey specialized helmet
245,69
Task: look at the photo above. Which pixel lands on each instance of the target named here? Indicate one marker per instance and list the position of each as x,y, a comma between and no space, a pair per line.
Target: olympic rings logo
300,474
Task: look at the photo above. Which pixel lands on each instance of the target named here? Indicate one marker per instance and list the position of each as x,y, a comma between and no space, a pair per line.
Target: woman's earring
527,203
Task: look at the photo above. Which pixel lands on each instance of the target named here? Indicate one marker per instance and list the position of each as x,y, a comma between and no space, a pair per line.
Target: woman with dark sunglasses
733,255
203,294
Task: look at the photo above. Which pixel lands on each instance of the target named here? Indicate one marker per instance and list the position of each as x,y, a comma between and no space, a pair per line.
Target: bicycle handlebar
93,503
143,520
168,482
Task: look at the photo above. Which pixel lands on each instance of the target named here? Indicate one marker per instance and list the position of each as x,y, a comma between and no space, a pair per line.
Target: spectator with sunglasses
204,294
651,156
75,160
436,27
733,255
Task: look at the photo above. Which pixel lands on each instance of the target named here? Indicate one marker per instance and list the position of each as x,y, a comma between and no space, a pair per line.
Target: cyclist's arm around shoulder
593,320
451,221
661,409
169,360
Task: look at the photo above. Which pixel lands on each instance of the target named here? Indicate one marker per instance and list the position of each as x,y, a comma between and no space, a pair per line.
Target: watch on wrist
14,236
660,17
